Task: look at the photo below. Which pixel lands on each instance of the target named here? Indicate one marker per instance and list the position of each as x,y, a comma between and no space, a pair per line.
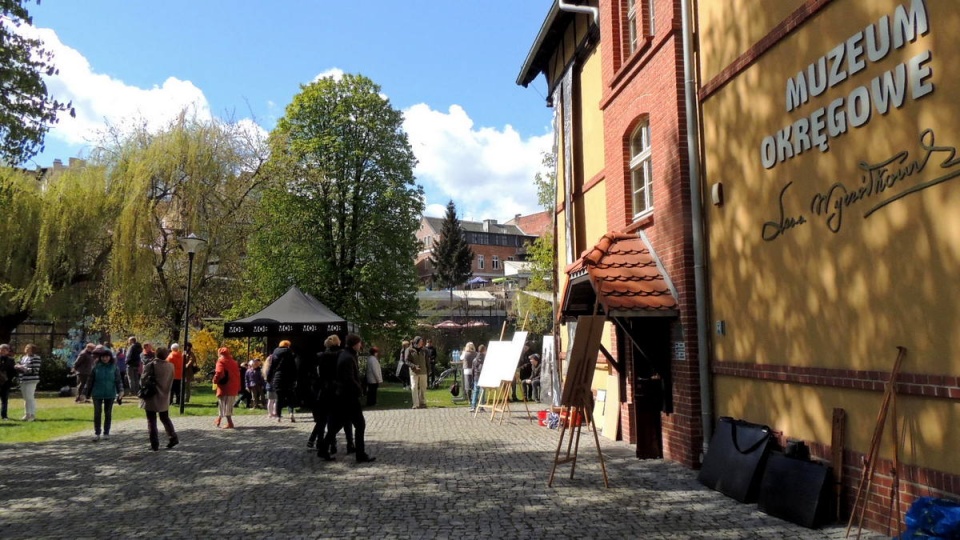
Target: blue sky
450,65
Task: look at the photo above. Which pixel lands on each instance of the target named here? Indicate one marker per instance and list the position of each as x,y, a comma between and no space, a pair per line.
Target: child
105,385
254,380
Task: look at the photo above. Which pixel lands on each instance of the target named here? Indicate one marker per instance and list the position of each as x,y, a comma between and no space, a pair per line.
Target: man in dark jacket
324,411
82,366
283,377
9,370
134,351
348,390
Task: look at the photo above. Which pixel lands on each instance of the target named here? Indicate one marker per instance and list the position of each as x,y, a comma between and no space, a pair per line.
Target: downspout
595,12
693,148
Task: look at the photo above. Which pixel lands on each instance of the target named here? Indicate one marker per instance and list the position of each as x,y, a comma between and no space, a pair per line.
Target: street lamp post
190,244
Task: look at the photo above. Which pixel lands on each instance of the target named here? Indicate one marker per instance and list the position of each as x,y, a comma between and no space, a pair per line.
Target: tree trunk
9,323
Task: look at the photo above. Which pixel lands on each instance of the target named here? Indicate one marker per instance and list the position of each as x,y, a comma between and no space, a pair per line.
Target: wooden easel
577,398
870,463
502,406
502,401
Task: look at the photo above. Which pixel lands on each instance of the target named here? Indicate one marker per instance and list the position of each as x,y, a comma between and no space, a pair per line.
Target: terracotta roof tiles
625,275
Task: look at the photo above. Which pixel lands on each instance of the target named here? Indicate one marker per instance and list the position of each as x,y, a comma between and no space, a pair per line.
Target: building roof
622,273
535,224
488,226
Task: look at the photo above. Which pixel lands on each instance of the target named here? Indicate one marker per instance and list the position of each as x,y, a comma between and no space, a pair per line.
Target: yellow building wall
807,266
595,209
729,27
591,91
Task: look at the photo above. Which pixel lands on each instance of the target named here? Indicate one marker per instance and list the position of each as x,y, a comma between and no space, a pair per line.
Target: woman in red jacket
227,379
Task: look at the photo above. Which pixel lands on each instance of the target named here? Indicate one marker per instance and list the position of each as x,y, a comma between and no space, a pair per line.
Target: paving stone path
440,473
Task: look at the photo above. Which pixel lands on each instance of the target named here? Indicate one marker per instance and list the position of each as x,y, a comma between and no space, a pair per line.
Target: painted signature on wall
875,189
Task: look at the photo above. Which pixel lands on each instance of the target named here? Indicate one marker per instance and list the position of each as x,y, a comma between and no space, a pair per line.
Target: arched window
641,173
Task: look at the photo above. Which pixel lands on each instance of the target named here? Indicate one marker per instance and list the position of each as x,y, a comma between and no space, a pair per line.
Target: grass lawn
59,416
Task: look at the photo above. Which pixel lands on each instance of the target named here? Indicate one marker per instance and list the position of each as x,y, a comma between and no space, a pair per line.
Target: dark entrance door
650,350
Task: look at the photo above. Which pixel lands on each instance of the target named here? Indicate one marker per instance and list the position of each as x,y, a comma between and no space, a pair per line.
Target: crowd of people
329,384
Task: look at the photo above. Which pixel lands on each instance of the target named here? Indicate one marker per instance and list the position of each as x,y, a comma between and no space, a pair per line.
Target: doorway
648,345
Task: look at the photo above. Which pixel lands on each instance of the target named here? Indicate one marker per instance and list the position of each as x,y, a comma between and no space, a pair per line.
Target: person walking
283,376
477,369
227,379
467,358
268,389
253,378
157,372
105,386
29,368
82,366
374,376
324,414
417,361
190,368
134,363
403,370
8,372
431,353
348,392
176,359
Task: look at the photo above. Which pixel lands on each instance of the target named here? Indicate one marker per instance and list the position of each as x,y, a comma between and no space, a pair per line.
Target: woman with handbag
227,379
157,374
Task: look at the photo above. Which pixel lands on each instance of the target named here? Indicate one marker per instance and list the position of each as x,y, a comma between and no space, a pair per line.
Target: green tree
26,110
193,176
542,254
451,256
54,228
340,220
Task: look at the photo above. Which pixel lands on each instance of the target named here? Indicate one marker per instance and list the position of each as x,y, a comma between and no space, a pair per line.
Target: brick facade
649,85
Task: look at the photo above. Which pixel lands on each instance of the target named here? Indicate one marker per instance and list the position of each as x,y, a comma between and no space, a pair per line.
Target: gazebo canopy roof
296,313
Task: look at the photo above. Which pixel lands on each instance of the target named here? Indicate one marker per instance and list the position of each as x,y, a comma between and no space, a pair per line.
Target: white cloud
487,172
100,100
332,73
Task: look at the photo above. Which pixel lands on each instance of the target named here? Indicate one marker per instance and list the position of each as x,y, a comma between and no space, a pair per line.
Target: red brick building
615,77
492,244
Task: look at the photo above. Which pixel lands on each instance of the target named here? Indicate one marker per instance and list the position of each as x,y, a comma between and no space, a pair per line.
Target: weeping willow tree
54,230
340,222
194,176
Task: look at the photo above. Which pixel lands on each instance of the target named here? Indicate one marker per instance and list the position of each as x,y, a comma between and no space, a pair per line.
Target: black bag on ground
735,460
797,490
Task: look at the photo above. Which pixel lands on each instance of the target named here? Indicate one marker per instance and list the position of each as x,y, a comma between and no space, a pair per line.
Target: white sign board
498,353
502,360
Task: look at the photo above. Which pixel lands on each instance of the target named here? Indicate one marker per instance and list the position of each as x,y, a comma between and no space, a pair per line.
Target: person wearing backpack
105,385
158,373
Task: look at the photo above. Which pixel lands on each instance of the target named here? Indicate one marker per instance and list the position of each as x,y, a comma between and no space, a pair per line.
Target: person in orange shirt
176,358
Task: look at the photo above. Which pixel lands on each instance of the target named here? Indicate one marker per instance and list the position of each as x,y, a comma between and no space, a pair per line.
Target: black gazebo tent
295,315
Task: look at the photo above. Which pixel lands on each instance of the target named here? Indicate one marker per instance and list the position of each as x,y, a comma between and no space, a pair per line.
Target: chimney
516,218
487,224
57,164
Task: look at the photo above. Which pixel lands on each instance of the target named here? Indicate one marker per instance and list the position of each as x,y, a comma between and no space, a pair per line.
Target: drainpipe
595,12
693,147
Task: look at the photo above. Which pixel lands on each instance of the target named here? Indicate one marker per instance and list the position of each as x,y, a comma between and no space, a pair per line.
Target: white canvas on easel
498,353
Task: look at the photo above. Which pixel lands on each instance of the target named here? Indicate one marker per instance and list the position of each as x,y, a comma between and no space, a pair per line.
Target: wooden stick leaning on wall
869,466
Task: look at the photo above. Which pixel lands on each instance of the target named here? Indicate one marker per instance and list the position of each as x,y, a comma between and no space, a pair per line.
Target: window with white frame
641,174
480,262
638,22
632,34
495,262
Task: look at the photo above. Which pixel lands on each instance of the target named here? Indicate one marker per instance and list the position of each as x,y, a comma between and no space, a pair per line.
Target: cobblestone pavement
440,473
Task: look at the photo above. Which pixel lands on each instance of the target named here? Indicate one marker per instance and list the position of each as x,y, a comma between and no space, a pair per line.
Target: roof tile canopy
623,271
